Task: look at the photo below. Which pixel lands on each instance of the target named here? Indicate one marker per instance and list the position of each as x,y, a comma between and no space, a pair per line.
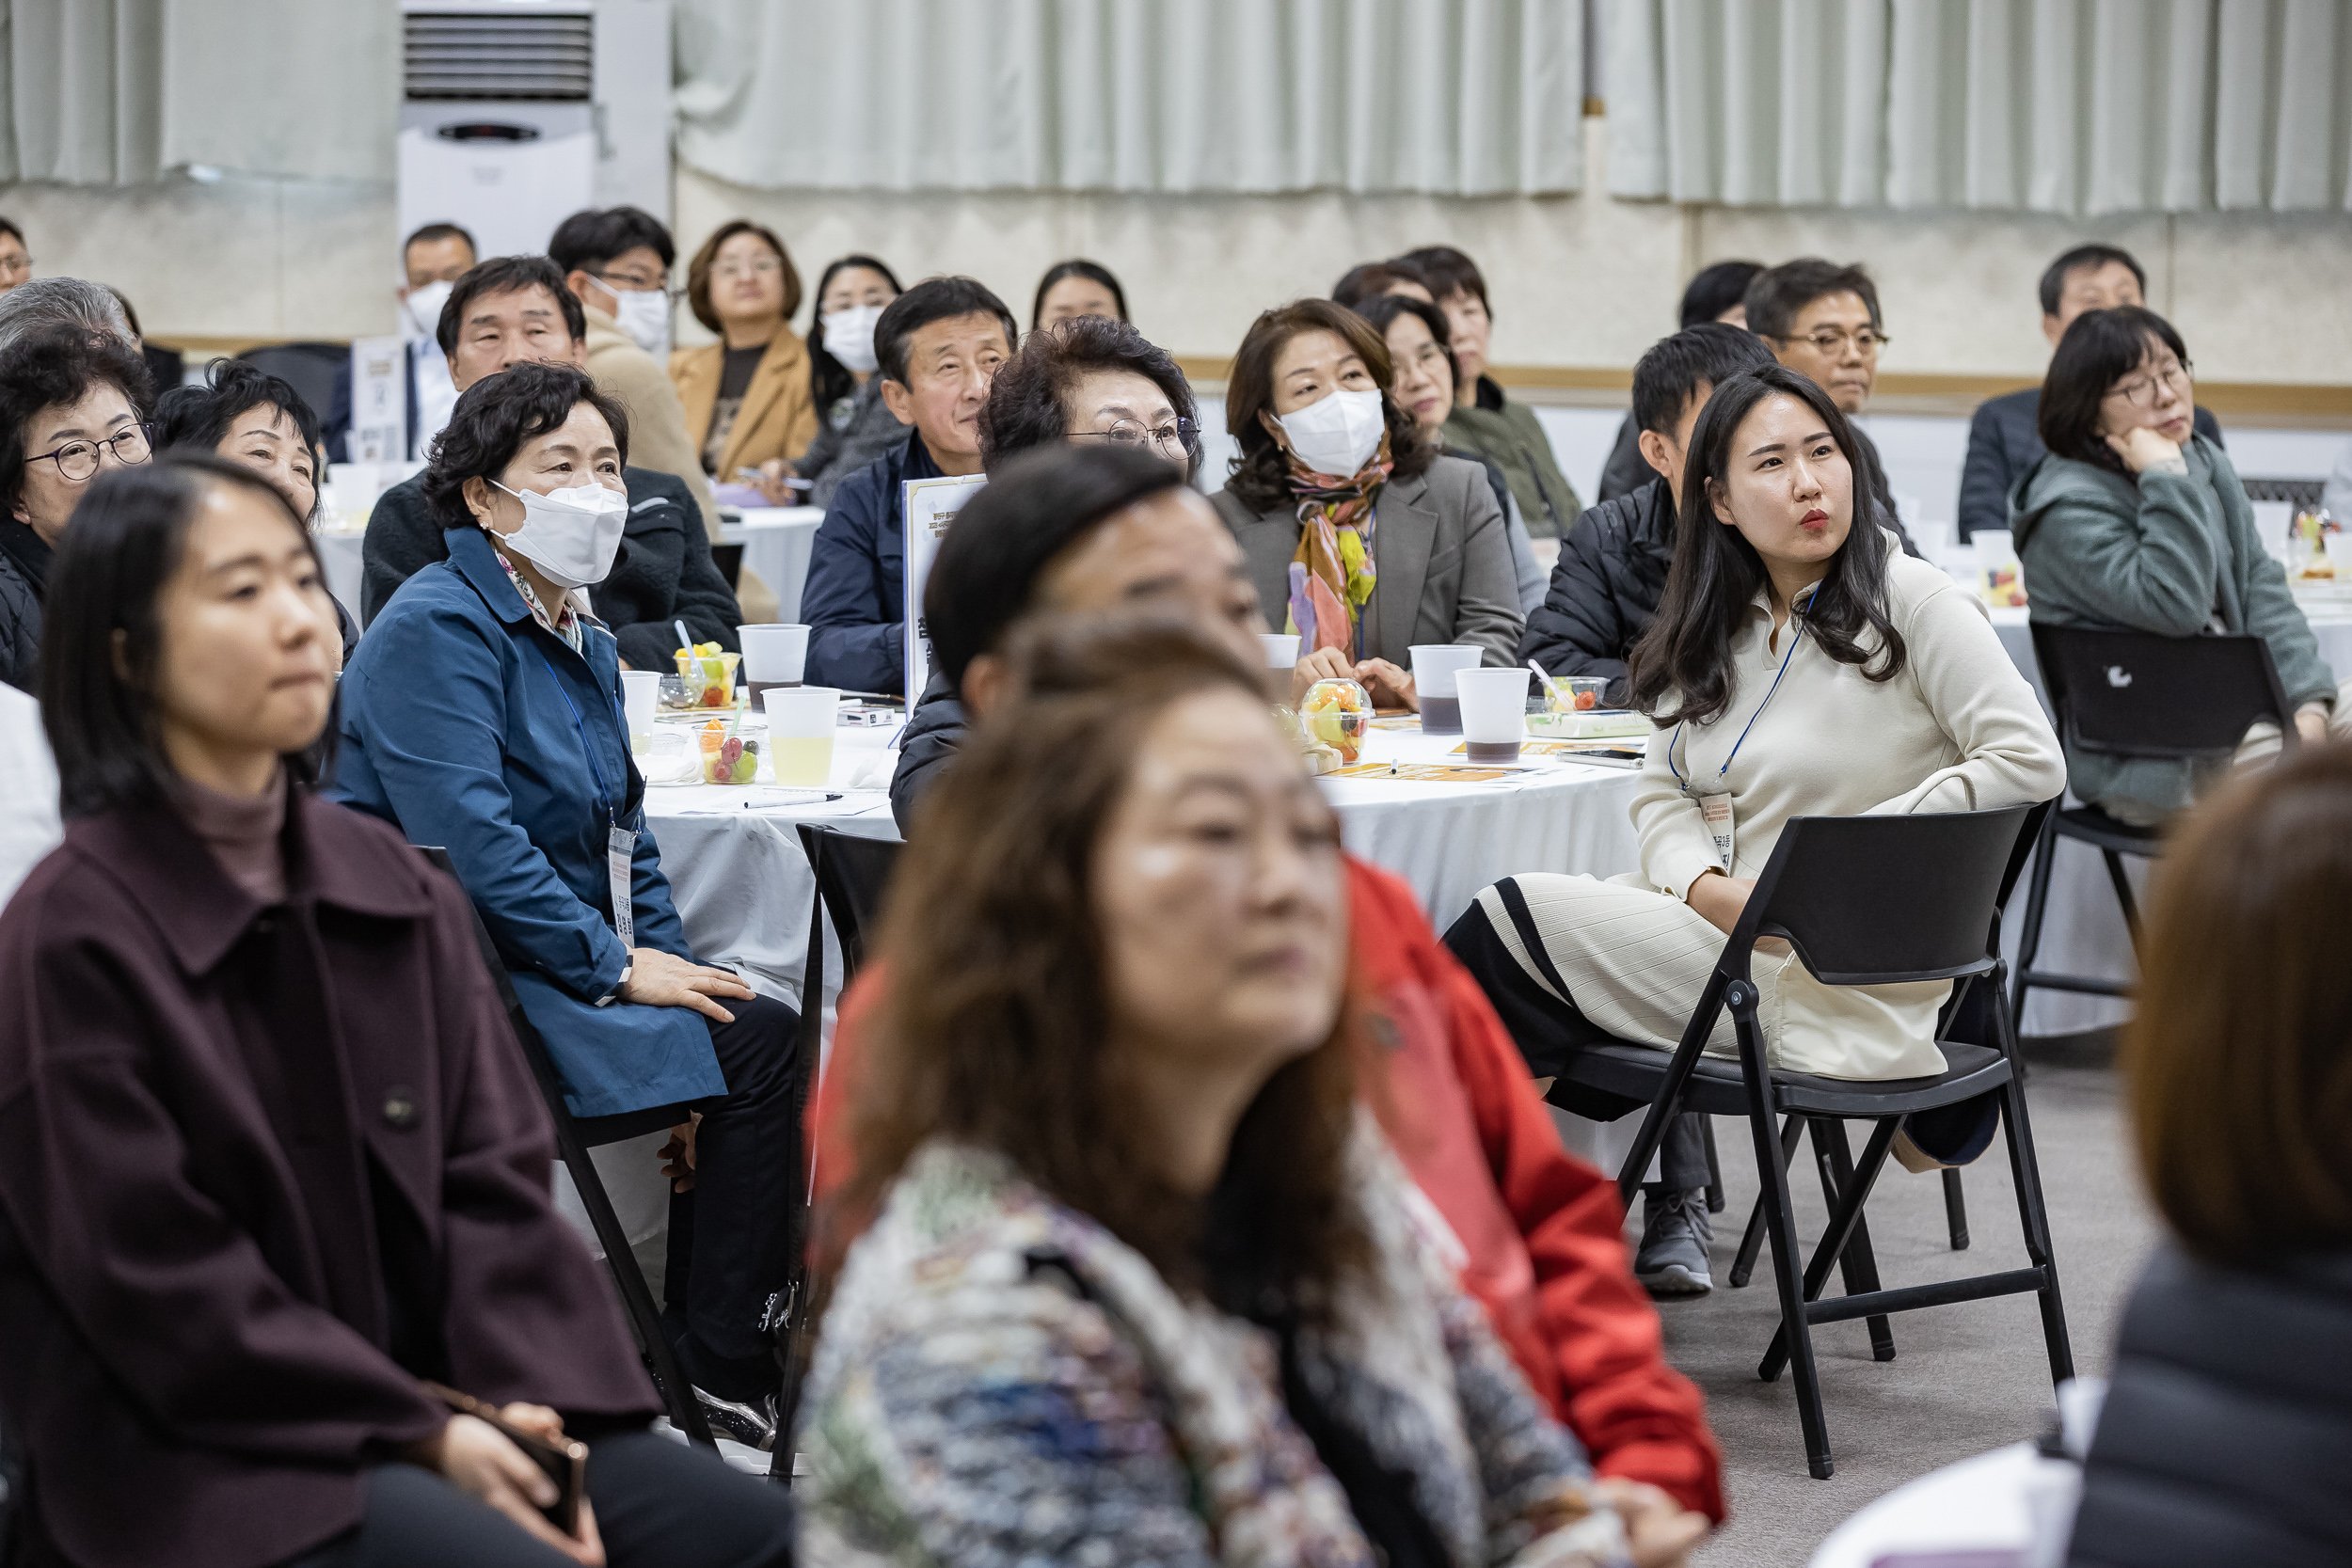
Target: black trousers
658,1503
1550,1035
731,1236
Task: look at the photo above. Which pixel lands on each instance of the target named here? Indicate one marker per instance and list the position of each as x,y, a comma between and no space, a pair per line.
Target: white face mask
420,311
644,315
1338,434
849,337
570,535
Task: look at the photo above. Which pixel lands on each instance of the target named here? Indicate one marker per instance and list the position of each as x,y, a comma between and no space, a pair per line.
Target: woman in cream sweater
1797,666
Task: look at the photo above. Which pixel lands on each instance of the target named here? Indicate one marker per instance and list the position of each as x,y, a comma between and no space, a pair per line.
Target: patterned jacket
1000,1381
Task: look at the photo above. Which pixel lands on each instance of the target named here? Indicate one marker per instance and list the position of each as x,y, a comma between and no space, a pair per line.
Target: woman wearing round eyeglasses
2135,522
1090,378
748,404
72,403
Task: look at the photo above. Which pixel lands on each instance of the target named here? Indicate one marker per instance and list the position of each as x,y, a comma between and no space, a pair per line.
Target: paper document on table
930,506
1423,772
1558,748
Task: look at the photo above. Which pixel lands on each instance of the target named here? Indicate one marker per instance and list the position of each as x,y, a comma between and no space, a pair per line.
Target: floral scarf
1332,576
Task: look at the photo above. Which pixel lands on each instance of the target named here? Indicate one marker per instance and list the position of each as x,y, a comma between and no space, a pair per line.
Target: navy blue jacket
467,725
2004,443
855,600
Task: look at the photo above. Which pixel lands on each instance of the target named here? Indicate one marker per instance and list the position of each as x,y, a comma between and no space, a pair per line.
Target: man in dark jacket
2003,441
513,310
1613,564
939,345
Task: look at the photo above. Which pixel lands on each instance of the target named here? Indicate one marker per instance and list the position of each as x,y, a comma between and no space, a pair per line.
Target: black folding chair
852,874
574,1137
2135,694
1864,901
311,368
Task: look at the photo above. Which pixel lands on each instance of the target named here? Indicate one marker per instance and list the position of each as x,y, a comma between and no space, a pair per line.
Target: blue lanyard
604,794
1797,621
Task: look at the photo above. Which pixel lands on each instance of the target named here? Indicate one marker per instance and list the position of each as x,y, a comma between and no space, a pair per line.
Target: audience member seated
34,308
617,262
16,261
431,262
854,425
2003,441
1091,378
1822,321
166,368
1110,1151
1371,281
465,720
29,828
1483,420
1715,293
1416,333
269,1155
1348,516
514,310
248,416
1904,700
73,402
750,410
939,345
1084,532
1614,563
1073,288
2232,1375
2133,522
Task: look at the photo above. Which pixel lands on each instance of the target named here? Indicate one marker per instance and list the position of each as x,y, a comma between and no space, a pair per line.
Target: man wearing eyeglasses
16,263
617,263
1822,320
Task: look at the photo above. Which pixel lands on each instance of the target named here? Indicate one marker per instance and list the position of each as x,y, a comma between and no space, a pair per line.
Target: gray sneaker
1675,1230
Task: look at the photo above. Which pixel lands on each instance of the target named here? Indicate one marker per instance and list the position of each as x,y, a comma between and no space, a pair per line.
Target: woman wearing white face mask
749,409
1351,521
855,424
482,713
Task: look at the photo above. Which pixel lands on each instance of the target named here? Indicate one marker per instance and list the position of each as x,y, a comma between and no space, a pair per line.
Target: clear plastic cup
641,694
1281,649
1494,712
774,655
1434,665
800,725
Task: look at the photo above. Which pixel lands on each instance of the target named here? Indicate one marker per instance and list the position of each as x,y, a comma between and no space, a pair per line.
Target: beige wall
1577,281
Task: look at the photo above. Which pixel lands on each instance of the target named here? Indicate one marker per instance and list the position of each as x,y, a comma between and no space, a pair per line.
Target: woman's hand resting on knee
479,1460
1720,901
659,979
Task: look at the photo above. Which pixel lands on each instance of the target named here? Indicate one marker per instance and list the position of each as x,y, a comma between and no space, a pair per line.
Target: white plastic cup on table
774,655
1494,712
1434,665
1281,649
641,691
800,725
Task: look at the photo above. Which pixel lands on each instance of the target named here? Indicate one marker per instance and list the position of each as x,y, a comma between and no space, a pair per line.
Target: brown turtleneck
244,836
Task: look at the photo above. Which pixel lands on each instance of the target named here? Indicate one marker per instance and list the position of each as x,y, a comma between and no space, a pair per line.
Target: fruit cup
1577,693
1337,712
729,758
713,670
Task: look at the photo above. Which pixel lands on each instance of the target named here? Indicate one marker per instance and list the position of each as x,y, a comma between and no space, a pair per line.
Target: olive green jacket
1511,434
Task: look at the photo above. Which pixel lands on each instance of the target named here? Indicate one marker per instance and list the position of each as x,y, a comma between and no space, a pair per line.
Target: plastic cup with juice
800,725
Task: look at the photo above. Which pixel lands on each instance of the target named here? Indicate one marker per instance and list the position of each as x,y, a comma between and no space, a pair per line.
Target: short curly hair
493,418
61,364
1029,401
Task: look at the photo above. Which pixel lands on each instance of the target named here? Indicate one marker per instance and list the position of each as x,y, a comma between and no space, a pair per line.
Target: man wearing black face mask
514,310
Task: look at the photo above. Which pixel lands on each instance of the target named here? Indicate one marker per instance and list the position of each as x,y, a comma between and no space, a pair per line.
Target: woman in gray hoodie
2133,522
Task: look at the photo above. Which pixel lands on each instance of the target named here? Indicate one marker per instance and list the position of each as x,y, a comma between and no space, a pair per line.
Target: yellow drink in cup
803,762
800,725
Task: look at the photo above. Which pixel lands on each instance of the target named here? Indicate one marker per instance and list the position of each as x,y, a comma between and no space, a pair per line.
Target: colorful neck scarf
1332,576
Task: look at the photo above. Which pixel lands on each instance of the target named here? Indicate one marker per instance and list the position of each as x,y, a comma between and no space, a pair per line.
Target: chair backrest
1875,900
729,560
852,874
311,369
2135,694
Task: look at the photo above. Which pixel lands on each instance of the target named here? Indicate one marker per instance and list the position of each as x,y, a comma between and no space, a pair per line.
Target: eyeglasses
766,267
1828,340
638,283
2141,391
78,460
12,266
1173,438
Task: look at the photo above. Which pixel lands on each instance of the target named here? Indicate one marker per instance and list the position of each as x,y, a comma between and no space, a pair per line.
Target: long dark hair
125,541
1261,479
1716,572
829,379
2100,348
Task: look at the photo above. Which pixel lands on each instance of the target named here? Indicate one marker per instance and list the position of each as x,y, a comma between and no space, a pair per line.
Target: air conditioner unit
517,114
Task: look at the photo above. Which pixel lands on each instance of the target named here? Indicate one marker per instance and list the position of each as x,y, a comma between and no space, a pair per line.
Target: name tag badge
1716,809
619,851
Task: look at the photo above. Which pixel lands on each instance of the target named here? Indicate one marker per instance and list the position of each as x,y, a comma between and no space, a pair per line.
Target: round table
1988,1510
776,542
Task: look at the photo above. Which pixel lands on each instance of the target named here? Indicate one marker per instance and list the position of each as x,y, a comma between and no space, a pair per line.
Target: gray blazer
1443,558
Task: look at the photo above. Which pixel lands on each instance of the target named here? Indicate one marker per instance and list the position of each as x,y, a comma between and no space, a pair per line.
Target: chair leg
1856,1263
1845,1219
2037,903
1955,1209
686,1412
1752,1240
2034,1218
1780,1222
1716,1202
2123,896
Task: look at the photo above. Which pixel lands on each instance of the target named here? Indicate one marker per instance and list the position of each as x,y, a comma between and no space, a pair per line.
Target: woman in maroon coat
269,1156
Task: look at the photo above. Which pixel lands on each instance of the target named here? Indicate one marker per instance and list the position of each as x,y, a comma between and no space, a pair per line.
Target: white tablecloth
1982,1504
775,540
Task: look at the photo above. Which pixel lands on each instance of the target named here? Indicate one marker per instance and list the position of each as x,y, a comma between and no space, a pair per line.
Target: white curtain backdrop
2047,105
1454,97
114,92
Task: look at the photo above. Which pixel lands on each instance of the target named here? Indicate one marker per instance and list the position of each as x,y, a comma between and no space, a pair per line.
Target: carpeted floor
1964,1379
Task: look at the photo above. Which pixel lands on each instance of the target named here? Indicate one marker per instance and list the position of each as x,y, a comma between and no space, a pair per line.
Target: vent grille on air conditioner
458,54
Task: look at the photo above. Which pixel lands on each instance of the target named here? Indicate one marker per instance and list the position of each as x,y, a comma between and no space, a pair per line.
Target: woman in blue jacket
482,713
